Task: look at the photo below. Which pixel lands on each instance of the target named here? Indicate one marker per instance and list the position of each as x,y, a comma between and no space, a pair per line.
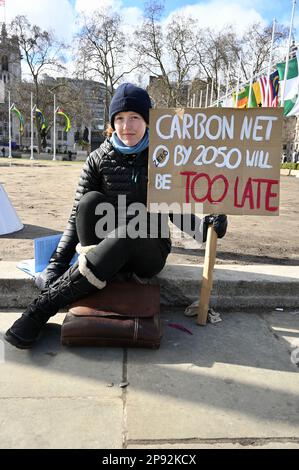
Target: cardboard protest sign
226,159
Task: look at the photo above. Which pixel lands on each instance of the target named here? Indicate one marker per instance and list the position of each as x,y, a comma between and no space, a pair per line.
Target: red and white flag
269,95
2,3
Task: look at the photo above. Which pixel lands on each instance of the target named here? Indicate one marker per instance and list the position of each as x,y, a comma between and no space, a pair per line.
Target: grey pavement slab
226,385
60,423
231,380
58,397
52,370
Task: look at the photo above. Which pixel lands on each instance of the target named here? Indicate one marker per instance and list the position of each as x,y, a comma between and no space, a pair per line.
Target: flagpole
238,82
270,63
250,84
207,95
227,83
9,127
200,99
54,129
212,90
287,58
32,111
218,93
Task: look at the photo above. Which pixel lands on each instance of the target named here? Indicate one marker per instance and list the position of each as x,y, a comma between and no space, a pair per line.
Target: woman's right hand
52,272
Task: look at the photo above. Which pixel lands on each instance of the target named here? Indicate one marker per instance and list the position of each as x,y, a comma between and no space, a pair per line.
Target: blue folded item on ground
44,248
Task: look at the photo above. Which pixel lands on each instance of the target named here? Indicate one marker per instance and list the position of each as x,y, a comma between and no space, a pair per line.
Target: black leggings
116,253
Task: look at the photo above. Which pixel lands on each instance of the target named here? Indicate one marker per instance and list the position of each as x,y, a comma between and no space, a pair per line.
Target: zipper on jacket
134,175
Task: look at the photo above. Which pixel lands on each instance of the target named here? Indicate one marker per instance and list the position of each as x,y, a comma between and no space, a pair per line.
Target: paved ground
233,384
42,194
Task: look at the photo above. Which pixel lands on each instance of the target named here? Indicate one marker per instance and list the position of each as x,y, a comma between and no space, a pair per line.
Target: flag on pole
272,99
68,126
256,96
291,86
2,3
39,114
20,117
274,88
242,98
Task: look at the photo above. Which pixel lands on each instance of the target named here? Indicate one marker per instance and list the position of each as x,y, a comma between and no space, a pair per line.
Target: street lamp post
32,111
9,127
54,128
54,124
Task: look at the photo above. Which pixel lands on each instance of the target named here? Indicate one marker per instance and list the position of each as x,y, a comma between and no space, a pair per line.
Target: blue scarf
125,149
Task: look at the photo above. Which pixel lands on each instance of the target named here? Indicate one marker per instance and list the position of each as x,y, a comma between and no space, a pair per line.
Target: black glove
52,272
219,223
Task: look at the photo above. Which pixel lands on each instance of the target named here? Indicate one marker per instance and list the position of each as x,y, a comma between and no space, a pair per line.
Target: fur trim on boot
86,272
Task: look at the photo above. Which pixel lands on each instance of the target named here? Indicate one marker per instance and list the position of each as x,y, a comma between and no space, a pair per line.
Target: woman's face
130,127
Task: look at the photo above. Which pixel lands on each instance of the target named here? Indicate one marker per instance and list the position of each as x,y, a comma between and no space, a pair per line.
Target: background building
85,105
10,74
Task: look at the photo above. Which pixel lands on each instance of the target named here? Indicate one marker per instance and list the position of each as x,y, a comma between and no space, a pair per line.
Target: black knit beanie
129,97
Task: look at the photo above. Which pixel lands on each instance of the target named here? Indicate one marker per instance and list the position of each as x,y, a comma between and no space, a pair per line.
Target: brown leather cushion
122,314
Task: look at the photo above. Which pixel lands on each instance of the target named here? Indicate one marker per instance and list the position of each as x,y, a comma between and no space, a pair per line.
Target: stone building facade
192,93
91,118
10,58
11,76
290,138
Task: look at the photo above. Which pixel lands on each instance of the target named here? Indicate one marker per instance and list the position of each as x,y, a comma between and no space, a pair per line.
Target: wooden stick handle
207,277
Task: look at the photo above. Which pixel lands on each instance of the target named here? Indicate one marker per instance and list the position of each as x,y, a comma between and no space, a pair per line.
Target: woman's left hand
219,223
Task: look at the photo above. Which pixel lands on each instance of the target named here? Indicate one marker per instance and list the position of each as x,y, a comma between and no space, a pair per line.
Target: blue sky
60,15
267,9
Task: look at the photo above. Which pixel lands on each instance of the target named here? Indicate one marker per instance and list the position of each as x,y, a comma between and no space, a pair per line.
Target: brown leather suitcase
123,314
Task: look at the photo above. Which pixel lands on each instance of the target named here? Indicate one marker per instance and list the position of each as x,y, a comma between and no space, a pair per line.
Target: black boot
71,286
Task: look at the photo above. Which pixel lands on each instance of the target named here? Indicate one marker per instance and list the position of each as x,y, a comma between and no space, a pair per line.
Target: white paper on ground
28,266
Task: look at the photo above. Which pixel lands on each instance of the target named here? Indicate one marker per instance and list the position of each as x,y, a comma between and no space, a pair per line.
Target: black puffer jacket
111,173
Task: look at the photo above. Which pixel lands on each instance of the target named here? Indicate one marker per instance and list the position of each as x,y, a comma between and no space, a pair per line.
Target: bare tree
216,51
168,53
256,44
179,55
150,46
180,46
42,53
101,51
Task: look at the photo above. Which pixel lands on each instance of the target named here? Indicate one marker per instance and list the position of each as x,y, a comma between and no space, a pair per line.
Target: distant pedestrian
294,156
3,151
70,155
